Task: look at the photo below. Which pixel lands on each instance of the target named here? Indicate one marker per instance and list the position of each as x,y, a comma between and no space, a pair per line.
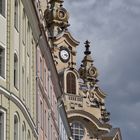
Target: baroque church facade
83,99
43,95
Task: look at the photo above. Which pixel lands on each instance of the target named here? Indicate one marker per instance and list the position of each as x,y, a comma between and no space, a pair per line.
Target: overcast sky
113,28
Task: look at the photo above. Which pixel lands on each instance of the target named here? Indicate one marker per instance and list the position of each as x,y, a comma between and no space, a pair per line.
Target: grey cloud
113,27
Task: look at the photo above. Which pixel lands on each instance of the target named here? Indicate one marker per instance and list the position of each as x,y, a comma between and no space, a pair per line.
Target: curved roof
90,117
67,37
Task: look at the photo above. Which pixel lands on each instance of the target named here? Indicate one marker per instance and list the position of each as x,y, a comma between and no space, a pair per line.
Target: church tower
84,100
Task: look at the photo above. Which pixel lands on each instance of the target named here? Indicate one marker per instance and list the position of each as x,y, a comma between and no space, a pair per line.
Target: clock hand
66,55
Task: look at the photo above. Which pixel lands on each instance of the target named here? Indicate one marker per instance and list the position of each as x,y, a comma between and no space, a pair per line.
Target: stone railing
73,98
73,101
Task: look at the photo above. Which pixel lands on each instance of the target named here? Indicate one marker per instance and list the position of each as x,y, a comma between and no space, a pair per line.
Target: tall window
2,131
15,71
41,63
23,83
23,132
45,78
51,95
23,26
16,14
2,62
16,127
28,39
48,85
28,93
71,83
41,114
28,135
2,7
48,126
45,122
77,131
51,132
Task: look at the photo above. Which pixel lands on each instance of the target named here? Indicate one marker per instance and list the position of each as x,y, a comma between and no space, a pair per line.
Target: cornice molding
90,117
66,36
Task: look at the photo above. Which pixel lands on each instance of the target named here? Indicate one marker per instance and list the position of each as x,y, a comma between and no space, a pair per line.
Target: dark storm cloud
113,27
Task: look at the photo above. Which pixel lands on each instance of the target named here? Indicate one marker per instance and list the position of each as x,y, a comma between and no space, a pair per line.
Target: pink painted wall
47,126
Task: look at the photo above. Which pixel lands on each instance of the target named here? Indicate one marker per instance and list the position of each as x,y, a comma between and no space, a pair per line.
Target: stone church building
84,100
43,94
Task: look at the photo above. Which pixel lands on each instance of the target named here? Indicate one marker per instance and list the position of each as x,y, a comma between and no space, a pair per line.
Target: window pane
2,7
2,62
16,14
71,83
1,126
16,128
77,131
15,70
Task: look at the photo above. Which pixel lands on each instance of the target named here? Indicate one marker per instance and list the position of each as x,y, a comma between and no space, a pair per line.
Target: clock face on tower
64,54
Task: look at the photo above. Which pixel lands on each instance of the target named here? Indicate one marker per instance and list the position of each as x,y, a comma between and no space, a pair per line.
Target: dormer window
71,83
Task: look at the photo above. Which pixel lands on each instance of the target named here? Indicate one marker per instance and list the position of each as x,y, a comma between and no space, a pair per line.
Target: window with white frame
2,62
15,70
2,127
77,130
2,7
16,127
16,14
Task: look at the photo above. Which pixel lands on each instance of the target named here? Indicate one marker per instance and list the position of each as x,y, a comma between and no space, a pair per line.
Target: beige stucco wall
11,98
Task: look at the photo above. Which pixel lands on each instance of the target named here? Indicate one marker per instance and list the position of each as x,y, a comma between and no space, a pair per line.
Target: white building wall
3,25
3,35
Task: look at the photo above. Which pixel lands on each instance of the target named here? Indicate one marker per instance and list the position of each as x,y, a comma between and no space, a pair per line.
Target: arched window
16,14
23,83
28,135
23,132
15,70
71,83
77,131
16,127
2,62
23,26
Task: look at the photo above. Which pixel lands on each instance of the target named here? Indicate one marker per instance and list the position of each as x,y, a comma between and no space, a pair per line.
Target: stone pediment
67,38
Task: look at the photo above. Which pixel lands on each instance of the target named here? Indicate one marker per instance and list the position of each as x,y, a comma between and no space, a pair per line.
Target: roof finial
87,45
